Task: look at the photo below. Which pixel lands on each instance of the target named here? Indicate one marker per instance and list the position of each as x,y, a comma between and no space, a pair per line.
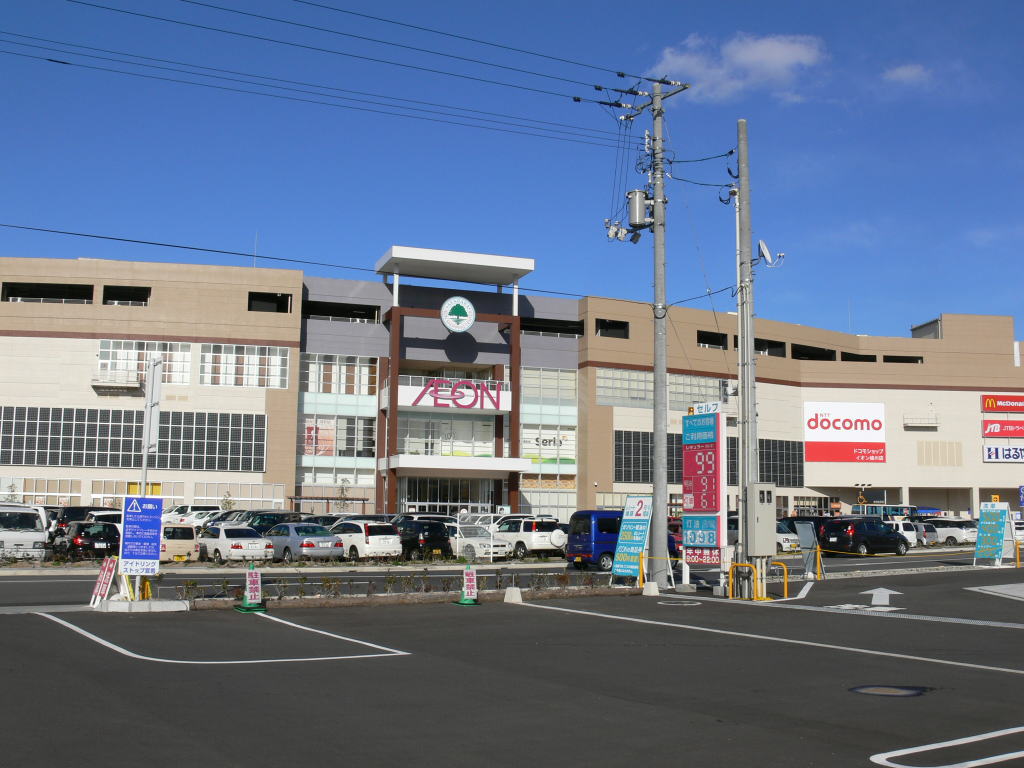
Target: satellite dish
764,253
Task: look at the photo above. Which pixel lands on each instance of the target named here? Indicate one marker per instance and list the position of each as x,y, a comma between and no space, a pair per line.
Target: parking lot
602,680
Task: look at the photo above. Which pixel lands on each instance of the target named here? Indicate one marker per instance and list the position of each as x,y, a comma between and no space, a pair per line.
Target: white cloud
908,74
741,64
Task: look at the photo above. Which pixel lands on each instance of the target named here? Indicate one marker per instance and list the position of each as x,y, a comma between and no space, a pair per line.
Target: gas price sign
702,463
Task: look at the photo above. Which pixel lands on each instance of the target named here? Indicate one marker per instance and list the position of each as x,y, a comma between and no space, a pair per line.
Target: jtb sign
140,539
448,393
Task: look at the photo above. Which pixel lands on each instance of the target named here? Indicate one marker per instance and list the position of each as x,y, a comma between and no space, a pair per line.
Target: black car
263,521
862,536
423,539
86,539
818,521
67,515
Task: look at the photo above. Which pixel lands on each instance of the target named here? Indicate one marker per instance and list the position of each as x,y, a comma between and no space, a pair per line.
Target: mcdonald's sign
1002,403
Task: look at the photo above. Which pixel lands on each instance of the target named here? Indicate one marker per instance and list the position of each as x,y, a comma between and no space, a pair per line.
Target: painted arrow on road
880,595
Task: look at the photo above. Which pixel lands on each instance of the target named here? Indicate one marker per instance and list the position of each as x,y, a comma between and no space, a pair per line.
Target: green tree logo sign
458,314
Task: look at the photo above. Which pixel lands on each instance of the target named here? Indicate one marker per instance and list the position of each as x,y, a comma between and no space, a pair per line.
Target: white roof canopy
453,265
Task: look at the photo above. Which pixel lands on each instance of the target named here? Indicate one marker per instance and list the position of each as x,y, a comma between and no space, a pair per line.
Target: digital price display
702,466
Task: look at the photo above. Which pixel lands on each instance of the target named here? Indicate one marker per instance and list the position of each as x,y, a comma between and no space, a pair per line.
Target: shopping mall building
286,390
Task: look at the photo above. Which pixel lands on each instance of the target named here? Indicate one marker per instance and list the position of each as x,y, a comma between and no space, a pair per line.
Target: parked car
593,535
297,541
116,517
954,531
863,536
819,522
475,541
88,539
531,534
927,535
367,538
1018,530
223,543
67,515
325,520
178,543
368,518
785,540
262,520
22,531
908,530
185,513
423,538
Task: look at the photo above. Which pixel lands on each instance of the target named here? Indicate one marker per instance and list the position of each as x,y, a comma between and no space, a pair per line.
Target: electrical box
759,533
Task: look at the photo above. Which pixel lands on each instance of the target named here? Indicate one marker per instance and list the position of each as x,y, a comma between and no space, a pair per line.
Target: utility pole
639,205
746,372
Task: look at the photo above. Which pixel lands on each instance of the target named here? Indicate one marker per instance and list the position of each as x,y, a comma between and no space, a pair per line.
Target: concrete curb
142,606
416,598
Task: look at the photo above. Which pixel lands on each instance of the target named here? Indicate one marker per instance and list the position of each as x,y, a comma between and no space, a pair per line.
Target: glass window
240,533
338,374
132,357
241,365
580,526
609,525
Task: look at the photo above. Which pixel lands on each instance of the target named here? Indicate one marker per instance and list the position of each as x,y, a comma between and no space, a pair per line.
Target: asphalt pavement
597,680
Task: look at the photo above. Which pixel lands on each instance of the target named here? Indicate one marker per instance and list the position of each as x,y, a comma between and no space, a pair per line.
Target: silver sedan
295,541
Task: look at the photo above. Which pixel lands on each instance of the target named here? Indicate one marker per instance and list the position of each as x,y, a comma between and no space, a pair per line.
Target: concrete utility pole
746,371
639,205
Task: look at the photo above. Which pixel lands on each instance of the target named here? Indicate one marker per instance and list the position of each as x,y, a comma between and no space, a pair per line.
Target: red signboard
703,556
702,464
1002,403
999,428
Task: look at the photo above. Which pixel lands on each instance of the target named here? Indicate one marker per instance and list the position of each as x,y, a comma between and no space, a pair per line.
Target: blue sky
884,156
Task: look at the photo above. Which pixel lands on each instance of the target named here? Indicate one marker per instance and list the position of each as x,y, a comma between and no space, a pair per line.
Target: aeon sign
844,432
448,393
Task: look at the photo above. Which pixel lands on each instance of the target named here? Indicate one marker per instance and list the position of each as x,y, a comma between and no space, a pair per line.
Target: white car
23,531
367,538
114,518
186,513
785,541
531,534
475,541
907,529
221,544
926,534
954,531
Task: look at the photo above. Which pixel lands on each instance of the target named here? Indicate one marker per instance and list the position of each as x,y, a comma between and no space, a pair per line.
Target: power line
222,252
396,45
703,159
309,101
474,40
284,80
335,52
314,93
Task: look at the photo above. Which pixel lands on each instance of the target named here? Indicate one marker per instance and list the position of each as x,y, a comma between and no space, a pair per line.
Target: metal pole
659,465
747,422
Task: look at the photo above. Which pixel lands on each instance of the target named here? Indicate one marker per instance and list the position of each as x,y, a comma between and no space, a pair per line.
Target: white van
22,531
907,529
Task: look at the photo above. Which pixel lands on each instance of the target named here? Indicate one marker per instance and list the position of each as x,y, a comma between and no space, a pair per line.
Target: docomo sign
446,393
844,432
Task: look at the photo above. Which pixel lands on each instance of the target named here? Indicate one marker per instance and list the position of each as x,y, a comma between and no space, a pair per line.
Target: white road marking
786,640
682,603
132,655
881,595
883,757
865,611
1009,591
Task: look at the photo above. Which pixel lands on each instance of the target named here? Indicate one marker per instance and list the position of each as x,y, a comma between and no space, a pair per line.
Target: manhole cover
891,690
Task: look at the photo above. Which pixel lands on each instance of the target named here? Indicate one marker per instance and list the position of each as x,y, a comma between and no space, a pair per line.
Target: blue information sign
140,537
636,524
992,531
700,531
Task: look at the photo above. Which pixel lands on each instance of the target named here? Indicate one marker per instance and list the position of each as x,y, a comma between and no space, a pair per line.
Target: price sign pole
703,489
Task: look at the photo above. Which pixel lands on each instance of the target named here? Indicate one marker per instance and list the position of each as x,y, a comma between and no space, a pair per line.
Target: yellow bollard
785,578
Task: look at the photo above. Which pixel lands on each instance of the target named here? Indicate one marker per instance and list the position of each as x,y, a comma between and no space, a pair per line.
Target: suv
423,538
263,520
953,531
531,534
67,515
88,539
862,536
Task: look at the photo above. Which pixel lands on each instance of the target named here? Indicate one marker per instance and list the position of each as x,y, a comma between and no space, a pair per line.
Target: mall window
237,365
326,435
556,503
767,347
711,340
425,434
270,302
338,374
804,352
913,359
853,357
614,329
535,326
94,437
634,454
47,293
780,462
636,388
127,356
548,386
337,312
